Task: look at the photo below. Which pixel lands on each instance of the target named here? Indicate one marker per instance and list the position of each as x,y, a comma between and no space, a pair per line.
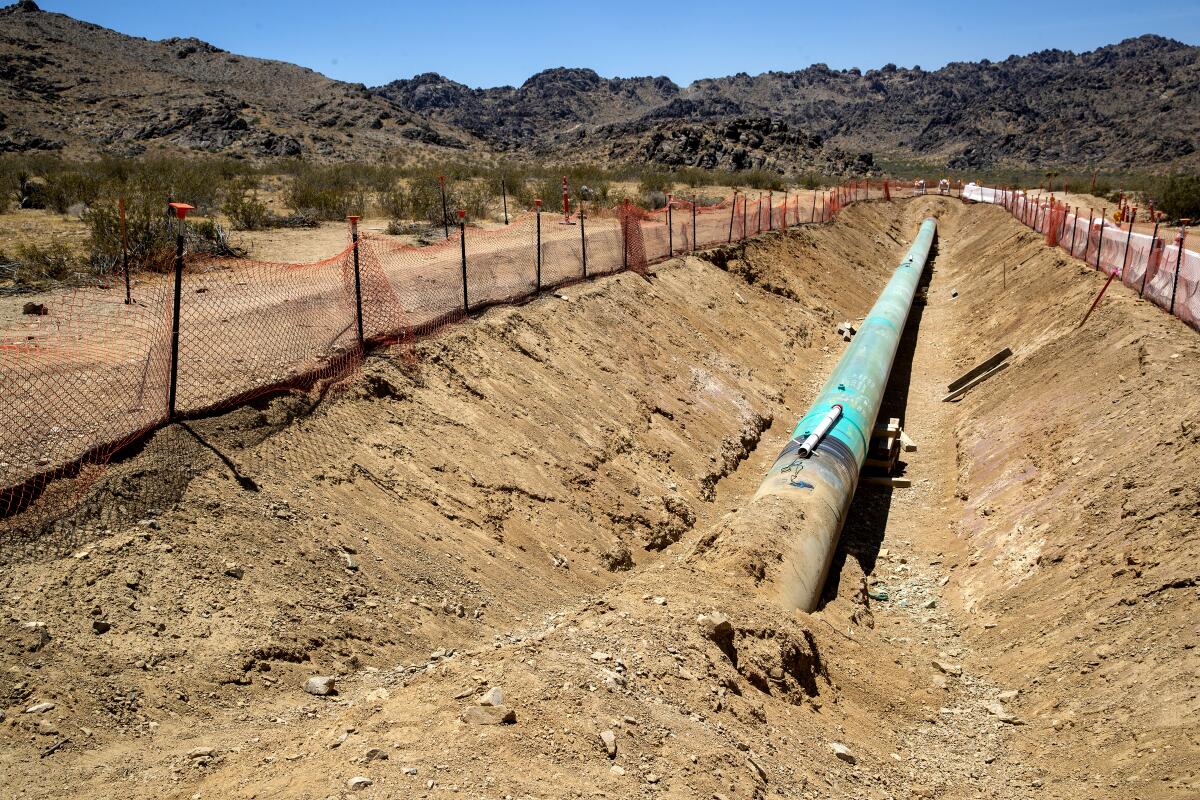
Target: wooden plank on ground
891,483
979,369
960,391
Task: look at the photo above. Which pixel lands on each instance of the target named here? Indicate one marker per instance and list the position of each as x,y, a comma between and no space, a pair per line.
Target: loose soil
532,500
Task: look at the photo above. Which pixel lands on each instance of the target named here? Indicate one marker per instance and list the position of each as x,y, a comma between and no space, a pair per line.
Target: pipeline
815,476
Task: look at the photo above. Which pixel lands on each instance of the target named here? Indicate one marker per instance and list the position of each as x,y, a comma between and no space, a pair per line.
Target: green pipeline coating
858,380
811,496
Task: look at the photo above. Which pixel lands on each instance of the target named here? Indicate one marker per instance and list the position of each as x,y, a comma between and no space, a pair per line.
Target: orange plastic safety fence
92,375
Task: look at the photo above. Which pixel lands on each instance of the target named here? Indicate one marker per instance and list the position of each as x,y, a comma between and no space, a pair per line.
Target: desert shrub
393,201
653,200
41,263
654,181
243,208
424,200
327,192
515,179
811,181
148,230
31,191
476,197
763,180
1179,197
151,235
69,187
695,177
1103,188
421,199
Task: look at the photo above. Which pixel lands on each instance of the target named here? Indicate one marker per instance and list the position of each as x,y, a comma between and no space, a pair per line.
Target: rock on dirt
610,743
375,754
842,752
489,715
320,685
948,668
492,697
715,626
358,783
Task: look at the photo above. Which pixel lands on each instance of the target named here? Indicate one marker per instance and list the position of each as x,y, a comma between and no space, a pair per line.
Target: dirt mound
529,501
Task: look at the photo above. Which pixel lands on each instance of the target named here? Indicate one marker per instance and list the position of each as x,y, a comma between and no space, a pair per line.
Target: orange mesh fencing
1164,272
92,375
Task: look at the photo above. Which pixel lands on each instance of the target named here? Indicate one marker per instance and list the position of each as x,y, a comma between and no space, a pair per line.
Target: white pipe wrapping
814,438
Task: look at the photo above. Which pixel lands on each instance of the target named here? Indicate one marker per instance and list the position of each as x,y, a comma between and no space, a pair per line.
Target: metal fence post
1149,258
695,233
1179,239
813,215
770,210
1128,237
1087,234
732,211
504,197
445,213
124,251
358,312
1100,241
538,279
582,236
462,243
745,215
181,210
1074,224
670,227
625,235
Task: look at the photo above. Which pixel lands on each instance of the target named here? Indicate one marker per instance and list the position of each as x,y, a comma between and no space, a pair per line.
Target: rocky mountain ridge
73,87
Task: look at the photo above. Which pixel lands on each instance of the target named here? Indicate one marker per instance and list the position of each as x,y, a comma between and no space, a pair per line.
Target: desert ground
538,501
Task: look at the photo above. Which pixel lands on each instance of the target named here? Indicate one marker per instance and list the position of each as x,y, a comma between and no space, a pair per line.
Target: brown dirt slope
1080,511
531,501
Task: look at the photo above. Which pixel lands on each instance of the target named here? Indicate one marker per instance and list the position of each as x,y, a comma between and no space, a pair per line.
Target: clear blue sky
496,43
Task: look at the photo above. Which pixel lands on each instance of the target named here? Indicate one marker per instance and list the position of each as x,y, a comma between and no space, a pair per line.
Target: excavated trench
541,500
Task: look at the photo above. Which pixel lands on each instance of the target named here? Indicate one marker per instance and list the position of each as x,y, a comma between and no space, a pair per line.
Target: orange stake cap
181,209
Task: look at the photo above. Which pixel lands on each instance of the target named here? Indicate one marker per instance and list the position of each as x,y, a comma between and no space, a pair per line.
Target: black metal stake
1100,242
462,243
538,278
1128,236
745,216
1178,259
582,238
732,211
770,211
625,235
1149,258
1074,225
813,216
1087,235
694,231
175,321
670,227
125,253
504,197
445,213
357,285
